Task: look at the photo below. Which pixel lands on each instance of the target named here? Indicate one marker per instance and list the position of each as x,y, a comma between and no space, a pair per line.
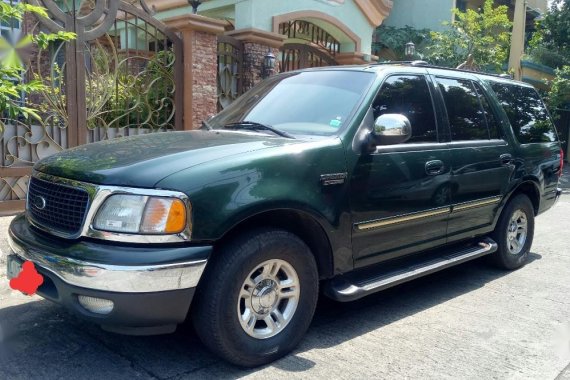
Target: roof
505,78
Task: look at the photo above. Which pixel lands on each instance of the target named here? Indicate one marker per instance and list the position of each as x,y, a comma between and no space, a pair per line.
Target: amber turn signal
164,216
176,217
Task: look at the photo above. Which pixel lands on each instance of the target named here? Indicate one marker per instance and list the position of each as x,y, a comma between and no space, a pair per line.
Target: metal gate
230,70
120,77
301,56
308,45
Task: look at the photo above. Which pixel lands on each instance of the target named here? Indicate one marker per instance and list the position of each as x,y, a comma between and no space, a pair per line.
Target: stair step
356,285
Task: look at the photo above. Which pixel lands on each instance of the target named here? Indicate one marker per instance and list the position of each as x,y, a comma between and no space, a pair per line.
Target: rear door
481,158
538,148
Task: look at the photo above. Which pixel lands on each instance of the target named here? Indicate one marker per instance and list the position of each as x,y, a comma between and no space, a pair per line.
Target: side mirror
391,128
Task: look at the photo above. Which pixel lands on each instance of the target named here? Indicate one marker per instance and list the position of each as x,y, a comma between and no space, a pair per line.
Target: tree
12,69
484,35
559,95
550,44
395,39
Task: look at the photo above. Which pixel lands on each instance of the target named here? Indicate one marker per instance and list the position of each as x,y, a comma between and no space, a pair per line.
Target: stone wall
204,78
253,57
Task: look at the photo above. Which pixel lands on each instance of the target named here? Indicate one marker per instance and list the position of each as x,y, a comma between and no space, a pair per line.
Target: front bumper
151,286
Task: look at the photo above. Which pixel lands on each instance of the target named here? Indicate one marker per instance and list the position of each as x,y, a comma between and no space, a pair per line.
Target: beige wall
538,4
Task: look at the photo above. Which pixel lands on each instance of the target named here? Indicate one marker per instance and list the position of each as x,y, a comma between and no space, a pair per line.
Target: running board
353,286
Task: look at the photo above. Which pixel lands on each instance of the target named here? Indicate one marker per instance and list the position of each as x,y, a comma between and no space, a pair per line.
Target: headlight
138,214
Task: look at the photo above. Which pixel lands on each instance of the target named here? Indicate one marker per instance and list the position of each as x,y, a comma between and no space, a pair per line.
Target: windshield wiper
206,126
253,125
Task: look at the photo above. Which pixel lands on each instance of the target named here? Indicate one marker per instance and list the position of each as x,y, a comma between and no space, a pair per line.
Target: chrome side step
351,287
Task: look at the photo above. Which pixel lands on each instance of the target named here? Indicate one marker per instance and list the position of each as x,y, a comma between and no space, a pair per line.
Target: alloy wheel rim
517,231
268,299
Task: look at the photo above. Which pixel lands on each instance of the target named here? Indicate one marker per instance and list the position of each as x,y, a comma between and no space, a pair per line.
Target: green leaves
485,34
43,39
12,87
395,40
17,11
559,96
550,44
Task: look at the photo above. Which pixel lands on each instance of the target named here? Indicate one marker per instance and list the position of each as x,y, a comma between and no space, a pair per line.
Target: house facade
297,34
429,14
348,24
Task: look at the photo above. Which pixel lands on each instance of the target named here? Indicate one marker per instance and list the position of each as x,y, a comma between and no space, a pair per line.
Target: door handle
506,159
434,167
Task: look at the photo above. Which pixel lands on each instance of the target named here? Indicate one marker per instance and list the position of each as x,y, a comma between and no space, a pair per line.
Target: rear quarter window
526,112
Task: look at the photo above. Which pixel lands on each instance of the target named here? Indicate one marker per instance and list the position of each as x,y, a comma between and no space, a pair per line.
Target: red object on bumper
28,281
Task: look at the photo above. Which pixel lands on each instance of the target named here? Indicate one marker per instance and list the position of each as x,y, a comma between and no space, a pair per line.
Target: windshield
305,103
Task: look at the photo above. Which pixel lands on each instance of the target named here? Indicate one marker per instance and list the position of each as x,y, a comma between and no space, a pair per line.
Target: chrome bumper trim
475,204
402,219
115,278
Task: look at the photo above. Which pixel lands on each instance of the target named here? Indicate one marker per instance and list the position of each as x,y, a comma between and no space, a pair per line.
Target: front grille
57,207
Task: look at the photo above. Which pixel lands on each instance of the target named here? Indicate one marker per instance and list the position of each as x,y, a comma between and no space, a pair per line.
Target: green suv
347,180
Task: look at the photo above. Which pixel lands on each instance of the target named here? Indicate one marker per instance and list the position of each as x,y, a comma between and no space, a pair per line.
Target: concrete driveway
469,322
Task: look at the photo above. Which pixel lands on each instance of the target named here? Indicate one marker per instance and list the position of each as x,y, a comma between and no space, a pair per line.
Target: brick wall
253,57
204,78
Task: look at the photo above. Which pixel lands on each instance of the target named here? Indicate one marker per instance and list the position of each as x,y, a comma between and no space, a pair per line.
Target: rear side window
409,95
464,110
526,112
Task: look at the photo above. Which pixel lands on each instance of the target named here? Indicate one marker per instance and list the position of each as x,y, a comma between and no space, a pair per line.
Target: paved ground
469,322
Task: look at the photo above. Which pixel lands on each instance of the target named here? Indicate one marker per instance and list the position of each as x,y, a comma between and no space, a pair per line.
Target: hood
142,161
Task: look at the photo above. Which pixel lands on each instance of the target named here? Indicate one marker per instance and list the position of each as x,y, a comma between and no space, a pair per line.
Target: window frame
507,121
432,92
474,81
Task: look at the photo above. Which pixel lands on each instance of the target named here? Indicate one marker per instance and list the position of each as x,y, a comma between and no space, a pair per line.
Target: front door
400,193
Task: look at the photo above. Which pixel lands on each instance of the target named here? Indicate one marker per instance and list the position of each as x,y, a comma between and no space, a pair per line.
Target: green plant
395,39
558,97
550,44
546,56
137,92
12,85
484,35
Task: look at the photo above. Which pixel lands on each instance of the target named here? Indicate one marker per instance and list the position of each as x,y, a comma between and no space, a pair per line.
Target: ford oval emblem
39,202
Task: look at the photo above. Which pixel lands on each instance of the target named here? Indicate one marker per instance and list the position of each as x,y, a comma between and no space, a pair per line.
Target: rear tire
514,234
257,297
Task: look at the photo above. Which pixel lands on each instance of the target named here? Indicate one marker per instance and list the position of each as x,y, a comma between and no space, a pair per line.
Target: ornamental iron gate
230,70
301,56
121,76
309,46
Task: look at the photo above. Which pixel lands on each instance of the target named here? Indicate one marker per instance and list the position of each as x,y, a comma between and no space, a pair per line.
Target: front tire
257,298
514,234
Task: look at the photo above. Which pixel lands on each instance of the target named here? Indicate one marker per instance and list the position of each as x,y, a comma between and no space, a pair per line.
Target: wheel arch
300,223
531,190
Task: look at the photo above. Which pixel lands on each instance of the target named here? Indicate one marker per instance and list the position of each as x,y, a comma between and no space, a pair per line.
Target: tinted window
492,121
526,112
307,103
409,95
466,116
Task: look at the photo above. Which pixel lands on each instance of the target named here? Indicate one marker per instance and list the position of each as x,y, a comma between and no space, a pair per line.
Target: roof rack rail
431,66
